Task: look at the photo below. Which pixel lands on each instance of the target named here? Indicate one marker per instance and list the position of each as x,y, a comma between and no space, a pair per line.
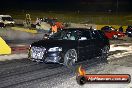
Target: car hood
53,43
112,31
8,22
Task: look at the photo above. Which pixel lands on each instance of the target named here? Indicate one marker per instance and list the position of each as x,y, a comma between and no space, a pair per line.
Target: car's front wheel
115,37
70,57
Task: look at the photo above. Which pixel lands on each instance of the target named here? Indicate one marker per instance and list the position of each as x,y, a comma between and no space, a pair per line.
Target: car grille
37,52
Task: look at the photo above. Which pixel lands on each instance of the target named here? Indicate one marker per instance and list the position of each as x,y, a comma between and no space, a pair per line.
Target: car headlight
119,34
129,32
30,46
54,49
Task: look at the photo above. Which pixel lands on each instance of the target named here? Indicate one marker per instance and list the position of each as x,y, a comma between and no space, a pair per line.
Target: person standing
121,29
38,22
54,28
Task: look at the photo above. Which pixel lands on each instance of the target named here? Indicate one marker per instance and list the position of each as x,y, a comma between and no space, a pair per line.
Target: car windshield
65,35
107,28
7,19
113,29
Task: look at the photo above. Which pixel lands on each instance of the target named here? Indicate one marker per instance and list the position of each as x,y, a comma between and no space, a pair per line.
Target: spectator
121,29
38,21
54,28
59,25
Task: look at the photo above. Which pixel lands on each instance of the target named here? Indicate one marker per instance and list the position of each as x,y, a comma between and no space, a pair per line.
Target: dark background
68,5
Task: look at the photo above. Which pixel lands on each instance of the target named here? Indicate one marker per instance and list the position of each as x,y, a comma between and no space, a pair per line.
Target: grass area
81,17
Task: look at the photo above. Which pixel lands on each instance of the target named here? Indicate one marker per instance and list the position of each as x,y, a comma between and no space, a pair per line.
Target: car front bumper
48,57
129,34
53,59
47,60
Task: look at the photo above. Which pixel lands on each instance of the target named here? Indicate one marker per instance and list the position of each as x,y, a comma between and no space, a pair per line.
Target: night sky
84,5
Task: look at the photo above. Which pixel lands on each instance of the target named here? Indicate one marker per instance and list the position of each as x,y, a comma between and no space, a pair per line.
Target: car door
84,45
96,42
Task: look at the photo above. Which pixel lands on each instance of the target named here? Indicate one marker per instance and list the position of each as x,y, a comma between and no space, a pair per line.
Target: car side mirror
46,36
83,38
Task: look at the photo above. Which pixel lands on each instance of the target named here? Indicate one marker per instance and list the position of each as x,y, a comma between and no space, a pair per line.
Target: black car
129,31
69,46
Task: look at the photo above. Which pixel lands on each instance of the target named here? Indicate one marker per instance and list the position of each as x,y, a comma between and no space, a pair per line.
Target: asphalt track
17,73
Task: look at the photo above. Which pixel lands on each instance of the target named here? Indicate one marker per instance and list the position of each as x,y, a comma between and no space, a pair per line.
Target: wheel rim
115,36
70,57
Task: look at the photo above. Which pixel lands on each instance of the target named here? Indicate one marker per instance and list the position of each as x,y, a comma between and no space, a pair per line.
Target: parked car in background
7,20
129,31
69,46
112,33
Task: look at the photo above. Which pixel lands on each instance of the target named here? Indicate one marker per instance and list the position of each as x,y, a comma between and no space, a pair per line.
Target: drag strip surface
18,72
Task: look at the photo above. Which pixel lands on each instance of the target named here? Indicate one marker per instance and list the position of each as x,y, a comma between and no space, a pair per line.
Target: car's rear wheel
70,57
104,53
